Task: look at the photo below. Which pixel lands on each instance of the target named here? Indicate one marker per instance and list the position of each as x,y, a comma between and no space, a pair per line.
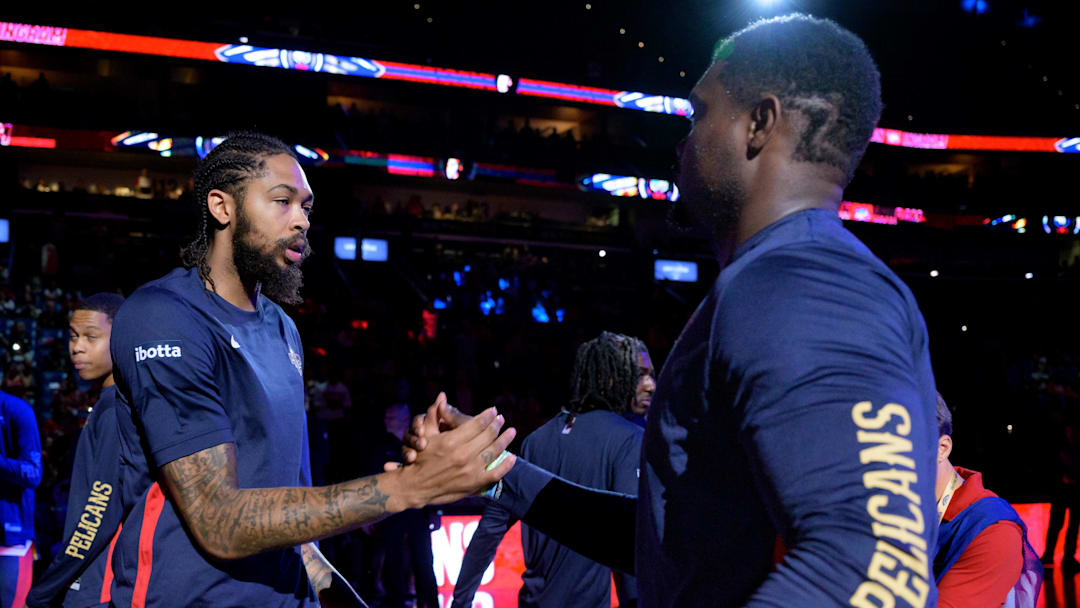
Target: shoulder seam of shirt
192,438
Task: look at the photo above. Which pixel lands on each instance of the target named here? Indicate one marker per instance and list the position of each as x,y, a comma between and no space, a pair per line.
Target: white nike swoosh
235,344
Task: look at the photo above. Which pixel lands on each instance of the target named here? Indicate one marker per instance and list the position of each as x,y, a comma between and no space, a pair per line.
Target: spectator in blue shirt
20,473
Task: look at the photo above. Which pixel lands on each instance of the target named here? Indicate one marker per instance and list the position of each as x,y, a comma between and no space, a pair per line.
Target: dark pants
1065,497
408,532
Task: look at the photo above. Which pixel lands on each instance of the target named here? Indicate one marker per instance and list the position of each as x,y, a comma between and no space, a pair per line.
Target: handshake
449,455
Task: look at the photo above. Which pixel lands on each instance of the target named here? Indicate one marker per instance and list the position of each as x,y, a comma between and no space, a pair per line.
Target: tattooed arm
330,587
229,522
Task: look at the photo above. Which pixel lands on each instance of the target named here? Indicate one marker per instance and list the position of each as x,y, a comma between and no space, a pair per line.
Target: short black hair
104,302
605,373
229,167
815,67
944,417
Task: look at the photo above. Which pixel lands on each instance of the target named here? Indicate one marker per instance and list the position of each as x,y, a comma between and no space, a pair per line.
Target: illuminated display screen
345,247
374,250
8,138
5,231
675,270
401,164
292,59
628,185
501,581
864,212
310,61
1061,224
935,141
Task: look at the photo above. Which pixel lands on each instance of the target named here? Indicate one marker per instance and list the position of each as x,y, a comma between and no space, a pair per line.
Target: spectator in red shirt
983,557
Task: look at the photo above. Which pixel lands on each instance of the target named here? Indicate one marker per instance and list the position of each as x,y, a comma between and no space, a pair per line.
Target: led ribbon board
309,61
608,97
246,54
864,212
628,185
7,139
936,141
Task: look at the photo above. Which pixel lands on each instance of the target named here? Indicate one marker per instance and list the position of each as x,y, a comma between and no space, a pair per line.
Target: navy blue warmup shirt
598,449
200,372
798,402
109,475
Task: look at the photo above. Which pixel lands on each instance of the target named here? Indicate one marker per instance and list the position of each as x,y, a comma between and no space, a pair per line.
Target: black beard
715,213
257,267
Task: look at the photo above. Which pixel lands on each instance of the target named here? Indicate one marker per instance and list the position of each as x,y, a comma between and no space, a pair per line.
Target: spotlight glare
934,273
1029,276
603,253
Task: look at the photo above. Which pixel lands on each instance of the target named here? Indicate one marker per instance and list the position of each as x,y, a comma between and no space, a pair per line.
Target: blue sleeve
165,362
835,401
603,526
23,466
95,508
481,551
625,481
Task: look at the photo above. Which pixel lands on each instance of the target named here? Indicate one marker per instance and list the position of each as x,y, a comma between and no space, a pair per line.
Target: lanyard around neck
950,491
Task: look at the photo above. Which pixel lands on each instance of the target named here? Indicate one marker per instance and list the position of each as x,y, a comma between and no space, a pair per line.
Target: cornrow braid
229,167
605,373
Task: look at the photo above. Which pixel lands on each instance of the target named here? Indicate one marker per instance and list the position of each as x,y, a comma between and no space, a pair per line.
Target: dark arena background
491,183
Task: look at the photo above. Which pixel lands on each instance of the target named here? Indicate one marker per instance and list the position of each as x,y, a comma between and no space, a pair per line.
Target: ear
764,124
944,448
222,206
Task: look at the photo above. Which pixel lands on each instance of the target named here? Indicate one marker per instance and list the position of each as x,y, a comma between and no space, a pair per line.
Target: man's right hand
450,462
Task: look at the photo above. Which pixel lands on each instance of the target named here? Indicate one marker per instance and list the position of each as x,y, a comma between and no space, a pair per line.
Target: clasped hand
447,453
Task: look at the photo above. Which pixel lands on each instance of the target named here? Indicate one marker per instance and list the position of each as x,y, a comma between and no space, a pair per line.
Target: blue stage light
540,314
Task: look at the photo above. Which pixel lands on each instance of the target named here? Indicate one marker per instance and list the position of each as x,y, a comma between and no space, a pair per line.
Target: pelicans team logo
297,363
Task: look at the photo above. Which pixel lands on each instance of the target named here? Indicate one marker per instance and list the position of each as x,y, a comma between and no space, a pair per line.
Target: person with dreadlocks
798,403
108,476
590,443
213,370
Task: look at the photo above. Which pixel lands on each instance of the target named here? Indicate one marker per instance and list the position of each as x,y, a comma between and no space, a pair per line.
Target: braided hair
605,374
229,167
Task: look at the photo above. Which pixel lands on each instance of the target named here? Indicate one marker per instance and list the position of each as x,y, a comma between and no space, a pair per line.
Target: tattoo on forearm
318,569
232,522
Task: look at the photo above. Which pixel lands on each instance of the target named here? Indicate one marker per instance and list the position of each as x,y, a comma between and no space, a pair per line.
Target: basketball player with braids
591,444
213,370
